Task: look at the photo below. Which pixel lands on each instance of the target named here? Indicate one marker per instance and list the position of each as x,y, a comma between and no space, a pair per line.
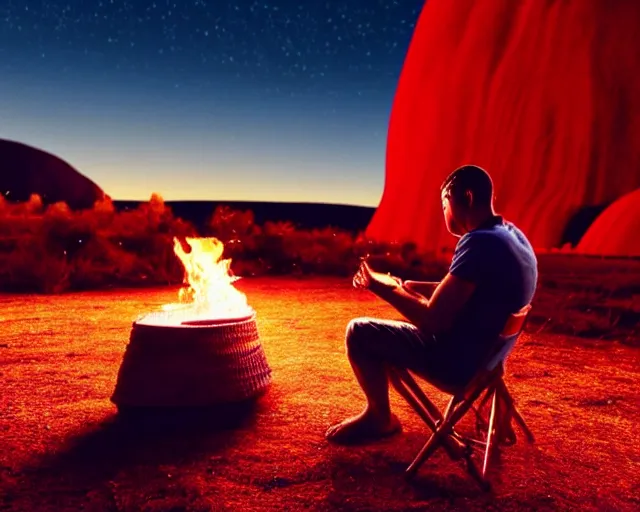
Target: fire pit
203,351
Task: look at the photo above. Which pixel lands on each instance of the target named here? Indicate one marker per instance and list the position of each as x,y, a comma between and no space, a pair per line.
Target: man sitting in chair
448,336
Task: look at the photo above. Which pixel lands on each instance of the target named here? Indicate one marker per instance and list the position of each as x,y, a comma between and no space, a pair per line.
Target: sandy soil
62,447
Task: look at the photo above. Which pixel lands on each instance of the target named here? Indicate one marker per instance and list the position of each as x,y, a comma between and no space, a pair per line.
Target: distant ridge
303,215
25,170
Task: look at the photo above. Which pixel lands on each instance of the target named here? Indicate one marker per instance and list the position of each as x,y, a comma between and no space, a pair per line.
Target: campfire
209,296
203,349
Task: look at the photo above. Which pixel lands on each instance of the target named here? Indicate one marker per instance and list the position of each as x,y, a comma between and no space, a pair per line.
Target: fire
209,294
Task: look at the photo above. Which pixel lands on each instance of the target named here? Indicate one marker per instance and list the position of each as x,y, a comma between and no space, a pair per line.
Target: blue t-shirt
499,259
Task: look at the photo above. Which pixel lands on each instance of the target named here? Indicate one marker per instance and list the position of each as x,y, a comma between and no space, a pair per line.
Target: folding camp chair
490,381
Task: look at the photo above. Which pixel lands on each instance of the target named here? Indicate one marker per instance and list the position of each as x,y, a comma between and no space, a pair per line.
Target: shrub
54,249
31,266
237,230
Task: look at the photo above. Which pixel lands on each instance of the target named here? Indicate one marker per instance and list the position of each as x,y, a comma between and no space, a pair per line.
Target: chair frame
490,381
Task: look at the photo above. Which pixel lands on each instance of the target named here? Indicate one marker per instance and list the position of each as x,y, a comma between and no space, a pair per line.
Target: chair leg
419,394
515,413
455,411
455,447
485,399
490,434
416,404
523,425
473,471
504,434
451,405
481,423
428,450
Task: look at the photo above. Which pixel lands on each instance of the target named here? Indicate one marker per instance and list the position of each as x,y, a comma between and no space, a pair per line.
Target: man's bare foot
363,428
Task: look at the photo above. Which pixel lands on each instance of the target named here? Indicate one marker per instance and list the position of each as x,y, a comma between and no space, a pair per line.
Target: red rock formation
616,232
544,94
25,170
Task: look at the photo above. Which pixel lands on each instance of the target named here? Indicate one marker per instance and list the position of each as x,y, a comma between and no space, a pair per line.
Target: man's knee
358,330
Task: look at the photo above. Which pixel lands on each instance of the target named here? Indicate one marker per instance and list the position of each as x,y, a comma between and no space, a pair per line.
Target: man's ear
468,196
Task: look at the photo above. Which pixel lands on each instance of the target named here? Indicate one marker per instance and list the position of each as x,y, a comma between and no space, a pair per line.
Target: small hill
25,170
615,231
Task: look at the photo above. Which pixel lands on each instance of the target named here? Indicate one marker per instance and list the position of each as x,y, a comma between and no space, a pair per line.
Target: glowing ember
209,294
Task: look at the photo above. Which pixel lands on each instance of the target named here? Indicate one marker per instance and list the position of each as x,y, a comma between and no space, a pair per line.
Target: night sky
225,100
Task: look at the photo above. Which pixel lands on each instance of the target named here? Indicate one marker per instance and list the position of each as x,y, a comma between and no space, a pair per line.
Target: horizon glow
272,101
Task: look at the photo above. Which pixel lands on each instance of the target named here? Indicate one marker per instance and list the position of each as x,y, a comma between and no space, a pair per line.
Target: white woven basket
192,366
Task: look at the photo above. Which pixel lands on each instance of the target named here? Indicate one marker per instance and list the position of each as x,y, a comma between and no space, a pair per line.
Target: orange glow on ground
62,449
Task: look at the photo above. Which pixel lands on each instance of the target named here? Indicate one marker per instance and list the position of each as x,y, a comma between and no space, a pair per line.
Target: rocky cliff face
542,94
25,170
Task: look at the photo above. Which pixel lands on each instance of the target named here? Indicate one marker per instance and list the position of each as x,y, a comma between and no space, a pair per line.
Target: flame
209,294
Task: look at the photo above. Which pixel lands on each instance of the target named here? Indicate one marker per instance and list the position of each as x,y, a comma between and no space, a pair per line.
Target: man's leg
372,345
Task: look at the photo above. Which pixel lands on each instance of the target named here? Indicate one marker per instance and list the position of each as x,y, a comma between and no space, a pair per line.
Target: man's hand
361,279
367,278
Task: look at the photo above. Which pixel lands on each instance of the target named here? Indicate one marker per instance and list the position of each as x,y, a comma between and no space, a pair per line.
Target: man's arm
424,288
430,315
473,262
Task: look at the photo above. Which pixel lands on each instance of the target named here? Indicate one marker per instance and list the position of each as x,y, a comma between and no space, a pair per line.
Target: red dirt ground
62,448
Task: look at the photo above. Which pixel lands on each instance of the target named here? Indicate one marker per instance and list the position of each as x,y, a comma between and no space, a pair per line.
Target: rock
543,95
25,170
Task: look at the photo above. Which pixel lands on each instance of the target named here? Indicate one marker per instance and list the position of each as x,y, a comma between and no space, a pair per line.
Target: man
493,274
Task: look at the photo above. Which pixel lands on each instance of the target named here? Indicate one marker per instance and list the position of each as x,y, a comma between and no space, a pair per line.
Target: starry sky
277,100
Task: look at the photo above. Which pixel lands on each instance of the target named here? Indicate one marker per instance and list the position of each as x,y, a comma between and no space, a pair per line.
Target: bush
53,249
